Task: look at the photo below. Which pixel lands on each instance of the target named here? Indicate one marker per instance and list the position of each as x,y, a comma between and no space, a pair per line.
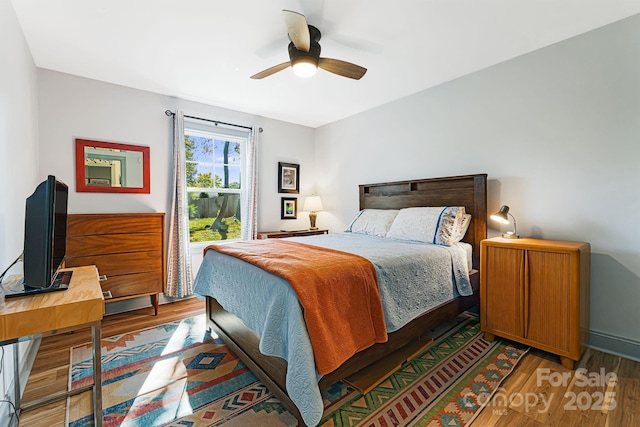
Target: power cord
20,258
13,408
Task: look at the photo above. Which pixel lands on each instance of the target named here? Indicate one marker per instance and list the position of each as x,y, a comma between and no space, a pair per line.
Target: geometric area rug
177,375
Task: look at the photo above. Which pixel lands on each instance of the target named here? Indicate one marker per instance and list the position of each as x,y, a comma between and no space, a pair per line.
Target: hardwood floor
540,392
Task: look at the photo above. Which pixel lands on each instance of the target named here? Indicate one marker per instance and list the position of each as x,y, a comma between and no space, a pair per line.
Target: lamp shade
502,215
313,204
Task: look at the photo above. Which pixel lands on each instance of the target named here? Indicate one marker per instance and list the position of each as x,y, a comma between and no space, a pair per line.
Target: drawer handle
102,278
107,294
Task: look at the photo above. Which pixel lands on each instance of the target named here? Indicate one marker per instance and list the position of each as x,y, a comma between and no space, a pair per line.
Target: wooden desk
79,307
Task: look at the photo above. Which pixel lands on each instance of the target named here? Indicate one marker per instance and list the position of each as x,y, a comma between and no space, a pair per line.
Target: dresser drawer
114,243
132,284
88,224
119,264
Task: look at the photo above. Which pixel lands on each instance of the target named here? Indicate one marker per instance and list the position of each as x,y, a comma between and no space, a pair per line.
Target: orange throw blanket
338,292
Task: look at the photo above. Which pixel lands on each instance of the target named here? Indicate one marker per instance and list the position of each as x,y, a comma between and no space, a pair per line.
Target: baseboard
619,346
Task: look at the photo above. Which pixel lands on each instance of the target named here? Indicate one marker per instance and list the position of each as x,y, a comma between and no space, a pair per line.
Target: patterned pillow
374,222
461,229
435,225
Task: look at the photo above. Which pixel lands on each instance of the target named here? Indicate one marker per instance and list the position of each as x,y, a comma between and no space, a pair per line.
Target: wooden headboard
469,191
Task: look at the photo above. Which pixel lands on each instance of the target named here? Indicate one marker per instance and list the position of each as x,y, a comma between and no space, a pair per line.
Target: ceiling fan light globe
304,69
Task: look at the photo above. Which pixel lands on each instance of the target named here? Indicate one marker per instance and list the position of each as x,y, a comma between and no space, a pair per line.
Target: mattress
413,278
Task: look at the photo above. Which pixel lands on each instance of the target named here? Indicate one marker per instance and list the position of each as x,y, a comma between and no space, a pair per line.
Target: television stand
81,307
60,283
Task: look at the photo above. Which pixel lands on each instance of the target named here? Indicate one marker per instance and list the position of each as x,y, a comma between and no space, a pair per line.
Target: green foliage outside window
199,230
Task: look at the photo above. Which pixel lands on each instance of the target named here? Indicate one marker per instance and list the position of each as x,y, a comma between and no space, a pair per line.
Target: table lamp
502,216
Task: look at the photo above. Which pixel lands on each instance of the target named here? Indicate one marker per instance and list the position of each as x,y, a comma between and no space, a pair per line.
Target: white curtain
179,274
250,230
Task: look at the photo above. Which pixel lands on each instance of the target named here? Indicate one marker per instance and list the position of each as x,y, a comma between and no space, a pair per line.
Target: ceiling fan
304,52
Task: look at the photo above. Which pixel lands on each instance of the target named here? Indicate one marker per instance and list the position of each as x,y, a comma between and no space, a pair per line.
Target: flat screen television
45,239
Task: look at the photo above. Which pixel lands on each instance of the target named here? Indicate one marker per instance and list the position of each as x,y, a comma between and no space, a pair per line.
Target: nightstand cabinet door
549,291
503,299
536,292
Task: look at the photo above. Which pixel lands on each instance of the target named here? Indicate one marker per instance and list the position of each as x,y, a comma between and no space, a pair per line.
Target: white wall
556,131
18,158
18,133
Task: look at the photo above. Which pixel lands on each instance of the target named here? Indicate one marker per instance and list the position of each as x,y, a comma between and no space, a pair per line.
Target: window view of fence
214,167
210,218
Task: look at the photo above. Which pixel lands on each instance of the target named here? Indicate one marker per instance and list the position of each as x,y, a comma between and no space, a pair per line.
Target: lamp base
510,236
313,228
312,220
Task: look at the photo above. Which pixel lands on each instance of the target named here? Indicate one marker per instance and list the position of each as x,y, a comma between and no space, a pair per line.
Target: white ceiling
205,50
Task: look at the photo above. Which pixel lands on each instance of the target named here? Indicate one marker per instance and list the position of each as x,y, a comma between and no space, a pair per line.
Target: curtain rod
170,113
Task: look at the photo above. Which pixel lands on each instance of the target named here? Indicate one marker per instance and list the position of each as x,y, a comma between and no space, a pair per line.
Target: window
215,167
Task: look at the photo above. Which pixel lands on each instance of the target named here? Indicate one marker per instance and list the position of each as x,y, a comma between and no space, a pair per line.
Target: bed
468,191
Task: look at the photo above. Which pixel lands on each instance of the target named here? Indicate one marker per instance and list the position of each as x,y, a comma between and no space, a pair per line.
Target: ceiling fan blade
272,70
342,68
298,29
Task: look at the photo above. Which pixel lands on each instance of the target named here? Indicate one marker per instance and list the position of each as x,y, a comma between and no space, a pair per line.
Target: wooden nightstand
295,233
536,292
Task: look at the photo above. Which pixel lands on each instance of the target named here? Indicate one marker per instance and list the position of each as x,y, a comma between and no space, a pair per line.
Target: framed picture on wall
288,178
289,208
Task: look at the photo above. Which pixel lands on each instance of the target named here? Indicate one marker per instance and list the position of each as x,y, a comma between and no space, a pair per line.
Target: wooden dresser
536,292
127,248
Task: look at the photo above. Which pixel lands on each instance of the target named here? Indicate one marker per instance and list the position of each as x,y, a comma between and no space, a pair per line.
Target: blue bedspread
413,277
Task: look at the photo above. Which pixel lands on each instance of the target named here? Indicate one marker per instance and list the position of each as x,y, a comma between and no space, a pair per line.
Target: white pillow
427,224
374,222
